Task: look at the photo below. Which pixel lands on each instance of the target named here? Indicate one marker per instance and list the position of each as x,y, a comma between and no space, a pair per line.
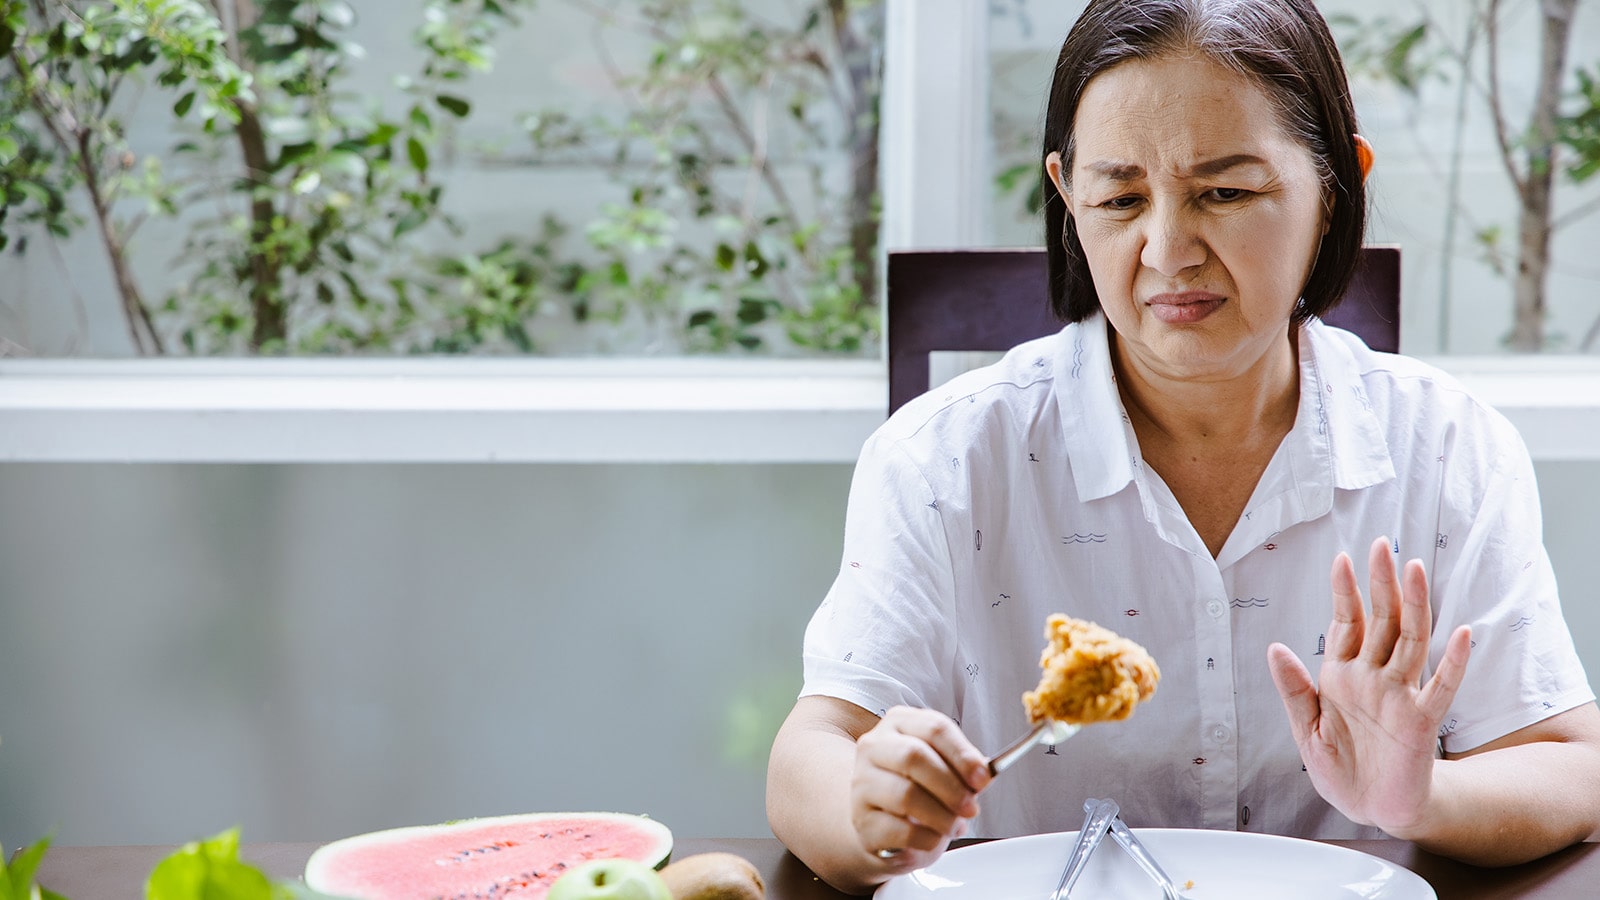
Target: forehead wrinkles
1165,116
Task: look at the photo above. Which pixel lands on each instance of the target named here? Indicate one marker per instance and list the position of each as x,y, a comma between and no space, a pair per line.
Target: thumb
1296,689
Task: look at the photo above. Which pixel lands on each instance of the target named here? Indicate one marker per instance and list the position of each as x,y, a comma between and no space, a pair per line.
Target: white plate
1224,865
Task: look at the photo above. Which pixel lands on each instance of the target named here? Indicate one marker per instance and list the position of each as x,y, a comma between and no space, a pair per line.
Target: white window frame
469,410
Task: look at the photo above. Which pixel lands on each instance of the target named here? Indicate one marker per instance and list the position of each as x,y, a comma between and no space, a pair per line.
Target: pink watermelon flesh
481,859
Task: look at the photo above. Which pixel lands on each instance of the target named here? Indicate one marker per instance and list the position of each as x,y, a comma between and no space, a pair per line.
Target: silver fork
1125,838
1099,814
1049,731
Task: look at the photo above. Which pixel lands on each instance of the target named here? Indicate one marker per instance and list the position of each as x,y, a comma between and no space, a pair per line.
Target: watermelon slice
481,859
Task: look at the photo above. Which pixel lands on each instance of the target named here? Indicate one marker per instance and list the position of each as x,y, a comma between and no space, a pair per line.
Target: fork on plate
1102,817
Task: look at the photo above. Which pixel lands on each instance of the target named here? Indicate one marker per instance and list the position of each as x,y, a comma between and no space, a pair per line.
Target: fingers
1345,631
1440,691
1298,691
1383,625
1410,655
916,781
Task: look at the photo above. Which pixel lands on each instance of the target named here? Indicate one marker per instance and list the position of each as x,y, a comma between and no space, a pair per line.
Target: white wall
313,651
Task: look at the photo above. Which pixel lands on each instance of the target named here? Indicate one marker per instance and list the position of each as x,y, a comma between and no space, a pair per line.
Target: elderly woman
1181,463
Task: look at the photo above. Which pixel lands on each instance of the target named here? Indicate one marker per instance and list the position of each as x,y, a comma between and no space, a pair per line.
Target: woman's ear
1052,167
1364,155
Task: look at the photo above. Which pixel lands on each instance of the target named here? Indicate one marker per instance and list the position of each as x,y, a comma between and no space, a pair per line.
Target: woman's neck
1255,405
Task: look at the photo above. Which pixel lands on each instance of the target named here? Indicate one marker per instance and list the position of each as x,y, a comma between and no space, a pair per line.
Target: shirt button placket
1218,774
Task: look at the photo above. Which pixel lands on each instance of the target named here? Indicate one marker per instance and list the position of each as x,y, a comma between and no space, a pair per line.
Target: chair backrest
991,300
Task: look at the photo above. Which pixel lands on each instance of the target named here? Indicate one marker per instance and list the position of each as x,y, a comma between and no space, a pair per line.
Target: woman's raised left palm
1368,727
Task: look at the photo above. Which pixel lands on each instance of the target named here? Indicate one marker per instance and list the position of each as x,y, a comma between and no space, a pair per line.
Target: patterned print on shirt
1090,538
1269,545
1003,598
1211,663
972,673
1447,728
1032,458
1252,603
1440,541
977,540
1522,623
1322,645
934,505
1130,613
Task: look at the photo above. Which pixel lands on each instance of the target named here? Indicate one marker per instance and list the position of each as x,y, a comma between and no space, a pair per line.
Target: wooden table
118,873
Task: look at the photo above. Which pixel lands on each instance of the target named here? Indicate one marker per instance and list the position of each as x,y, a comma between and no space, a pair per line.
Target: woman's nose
1172,242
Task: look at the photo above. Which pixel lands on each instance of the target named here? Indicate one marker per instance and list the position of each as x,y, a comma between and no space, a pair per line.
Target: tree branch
1507,157
140,325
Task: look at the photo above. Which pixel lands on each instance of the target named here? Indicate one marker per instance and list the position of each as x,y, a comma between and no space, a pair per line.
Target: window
944,55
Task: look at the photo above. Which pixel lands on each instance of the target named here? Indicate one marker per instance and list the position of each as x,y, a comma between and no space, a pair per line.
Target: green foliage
710,243
310,212
211,869
17,876
1579,130
208,869
349,192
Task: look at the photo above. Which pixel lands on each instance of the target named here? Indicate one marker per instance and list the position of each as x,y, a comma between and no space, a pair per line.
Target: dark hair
1285,46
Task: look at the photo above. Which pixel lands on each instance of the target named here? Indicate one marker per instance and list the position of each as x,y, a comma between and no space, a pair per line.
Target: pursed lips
1184,307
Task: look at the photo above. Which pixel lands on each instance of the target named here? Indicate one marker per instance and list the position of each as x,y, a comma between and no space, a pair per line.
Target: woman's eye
1228,195
1121,203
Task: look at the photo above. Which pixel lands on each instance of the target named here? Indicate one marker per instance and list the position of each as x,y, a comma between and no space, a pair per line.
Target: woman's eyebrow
1224,163
1125,172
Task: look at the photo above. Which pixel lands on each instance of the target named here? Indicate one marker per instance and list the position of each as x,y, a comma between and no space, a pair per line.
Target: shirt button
1216,608
1221,734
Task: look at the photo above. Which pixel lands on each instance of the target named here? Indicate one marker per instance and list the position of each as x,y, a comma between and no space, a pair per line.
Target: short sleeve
884,635
1493,574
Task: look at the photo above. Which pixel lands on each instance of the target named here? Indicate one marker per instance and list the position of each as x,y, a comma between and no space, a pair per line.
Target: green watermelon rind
317,867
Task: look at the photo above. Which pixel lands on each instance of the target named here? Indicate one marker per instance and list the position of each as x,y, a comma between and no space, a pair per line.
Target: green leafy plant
61,132
747,158
318,199
746,164
17,876
209,868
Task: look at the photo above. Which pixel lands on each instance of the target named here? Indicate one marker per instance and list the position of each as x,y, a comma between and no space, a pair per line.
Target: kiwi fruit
714,876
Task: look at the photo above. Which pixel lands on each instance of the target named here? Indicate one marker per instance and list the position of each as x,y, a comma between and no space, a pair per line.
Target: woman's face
1199,215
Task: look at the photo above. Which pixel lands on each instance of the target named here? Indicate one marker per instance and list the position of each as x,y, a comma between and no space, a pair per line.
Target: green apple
610,879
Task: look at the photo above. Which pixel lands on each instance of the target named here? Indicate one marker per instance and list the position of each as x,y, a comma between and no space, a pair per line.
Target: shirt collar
1336,431
1098,434
1337,440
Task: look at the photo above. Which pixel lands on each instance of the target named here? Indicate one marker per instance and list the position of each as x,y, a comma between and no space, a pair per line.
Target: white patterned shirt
1018,490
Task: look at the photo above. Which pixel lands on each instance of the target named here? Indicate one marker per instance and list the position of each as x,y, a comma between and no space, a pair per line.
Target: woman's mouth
1184,308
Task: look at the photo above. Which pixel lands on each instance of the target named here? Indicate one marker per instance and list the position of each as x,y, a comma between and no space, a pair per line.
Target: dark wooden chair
993,300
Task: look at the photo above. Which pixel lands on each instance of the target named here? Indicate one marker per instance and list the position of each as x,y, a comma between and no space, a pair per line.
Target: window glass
441,176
